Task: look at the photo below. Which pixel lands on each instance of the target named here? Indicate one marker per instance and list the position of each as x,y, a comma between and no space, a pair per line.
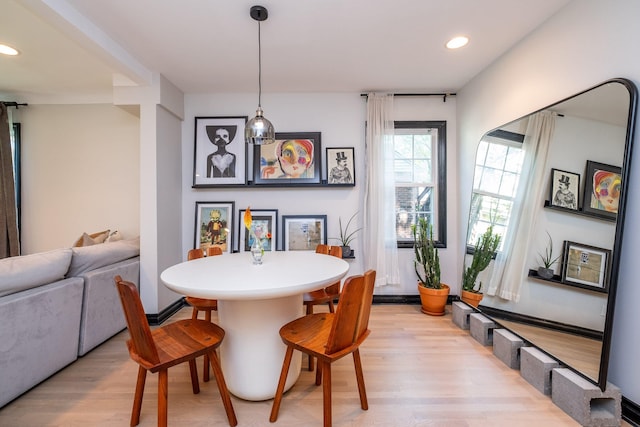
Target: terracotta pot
471,298
433,300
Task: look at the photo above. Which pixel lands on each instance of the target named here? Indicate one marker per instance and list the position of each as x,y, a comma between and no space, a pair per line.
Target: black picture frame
598,199
215,170
564,189
586,266
267,218
340,166
214,231
269,167
303,232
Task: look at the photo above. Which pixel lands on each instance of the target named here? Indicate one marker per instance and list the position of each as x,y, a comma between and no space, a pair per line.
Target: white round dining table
254,302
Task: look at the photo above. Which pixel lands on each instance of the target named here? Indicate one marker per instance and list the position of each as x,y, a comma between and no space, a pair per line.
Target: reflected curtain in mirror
510,262
9,243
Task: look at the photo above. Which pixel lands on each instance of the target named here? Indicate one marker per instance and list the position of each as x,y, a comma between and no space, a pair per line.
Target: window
497,172
420,178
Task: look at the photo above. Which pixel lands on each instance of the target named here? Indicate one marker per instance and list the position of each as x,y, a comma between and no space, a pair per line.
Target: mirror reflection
548,194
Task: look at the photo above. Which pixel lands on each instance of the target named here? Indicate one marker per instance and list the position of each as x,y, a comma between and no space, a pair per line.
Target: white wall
80,166
340,118
587,42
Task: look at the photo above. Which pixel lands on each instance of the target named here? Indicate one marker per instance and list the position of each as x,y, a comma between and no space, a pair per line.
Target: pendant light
259,130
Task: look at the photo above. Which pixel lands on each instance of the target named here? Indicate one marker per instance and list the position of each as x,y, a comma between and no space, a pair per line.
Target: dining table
254,302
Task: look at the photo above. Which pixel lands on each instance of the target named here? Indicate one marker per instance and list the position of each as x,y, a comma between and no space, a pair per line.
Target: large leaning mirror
553,186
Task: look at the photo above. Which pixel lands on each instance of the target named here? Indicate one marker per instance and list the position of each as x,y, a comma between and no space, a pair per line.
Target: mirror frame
601,381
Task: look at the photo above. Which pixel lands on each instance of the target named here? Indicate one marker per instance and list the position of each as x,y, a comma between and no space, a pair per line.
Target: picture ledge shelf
580,212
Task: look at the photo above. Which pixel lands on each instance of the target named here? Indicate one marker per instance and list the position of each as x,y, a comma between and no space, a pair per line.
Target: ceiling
78,49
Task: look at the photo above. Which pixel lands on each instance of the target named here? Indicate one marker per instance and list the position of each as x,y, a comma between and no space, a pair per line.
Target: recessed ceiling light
7,50
457,42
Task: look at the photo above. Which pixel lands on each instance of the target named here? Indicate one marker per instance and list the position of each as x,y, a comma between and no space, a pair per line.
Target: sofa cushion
91,239
86,258
28,271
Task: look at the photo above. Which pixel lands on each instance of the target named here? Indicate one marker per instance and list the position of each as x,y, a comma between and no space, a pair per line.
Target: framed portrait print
214,222
564,189
303,232
340,166
220,153
602,184
586,266
264,223
294,159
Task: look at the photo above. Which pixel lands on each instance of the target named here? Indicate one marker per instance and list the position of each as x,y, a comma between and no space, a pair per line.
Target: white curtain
379,225
510,264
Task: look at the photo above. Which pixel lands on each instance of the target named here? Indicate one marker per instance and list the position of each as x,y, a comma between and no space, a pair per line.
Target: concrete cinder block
460,314
584,401
536,368
506,347
481,328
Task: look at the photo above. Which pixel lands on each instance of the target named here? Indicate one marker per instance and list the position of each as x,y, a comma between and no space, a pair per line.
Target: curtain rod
443,95
14,104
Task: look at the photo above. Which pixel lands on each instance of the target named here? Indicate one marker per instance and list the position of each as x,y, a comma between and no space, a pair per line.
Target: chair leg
326,392
205,369
310,311
195,385
281,382
360,378
319,374
224,391
137,400
163,385
194,314
332,308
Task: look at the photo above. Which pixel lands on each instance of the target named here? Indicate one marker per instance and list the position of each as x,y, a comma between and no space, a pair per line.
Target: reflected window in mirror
420,178
497,173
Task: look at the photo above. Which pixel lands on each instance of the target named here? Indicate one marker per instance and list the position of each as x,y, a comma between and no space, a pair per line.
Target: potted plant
545,271
482,255
433,293
346,237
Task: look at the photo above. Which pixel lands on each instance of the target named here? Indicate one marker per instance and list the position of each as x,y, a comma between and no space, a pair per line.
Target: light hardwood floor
419,371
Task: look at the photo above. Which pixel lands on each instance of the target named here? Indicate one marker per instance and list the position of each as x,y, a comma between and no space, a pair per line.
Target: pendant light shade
259,130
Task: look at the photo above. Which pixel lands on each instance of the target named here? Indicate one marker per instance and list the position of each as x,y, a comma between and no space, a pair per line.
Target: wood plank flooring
419,371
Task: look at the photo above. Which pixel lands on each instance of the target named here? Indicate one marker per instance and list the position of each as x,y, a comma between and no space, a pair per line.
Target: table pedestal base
252,338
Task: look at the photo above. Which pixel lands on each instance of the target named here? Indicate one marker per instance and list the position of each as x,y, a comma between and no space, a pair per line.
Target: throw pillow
92,239
114,237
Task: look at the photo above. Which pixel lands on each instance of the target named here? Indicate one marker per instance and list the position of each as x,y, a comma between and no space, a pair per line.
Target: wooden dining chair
329,337
326,295
167,346
203,304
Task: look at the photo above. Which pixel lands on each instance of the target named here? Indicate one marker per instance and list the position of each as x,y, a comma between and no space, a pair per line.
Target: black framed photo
303,232
214,222
340,166
294,159
565,187
220,153
586,266
602,185
264,225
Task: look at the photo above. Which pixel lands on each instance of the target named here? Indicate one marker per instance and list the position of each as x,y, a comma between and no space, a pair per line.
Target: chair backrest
335,251
367,300
322,249
345,325
214,250
141,339
195,254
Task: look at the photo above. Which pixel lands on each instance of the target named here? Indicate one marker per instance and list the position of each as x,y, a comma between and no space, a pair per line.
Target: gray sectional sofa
56,306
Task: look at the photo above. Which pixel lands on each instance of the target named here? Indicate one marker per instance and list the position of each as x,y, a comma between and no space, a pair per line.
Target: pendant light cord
259,67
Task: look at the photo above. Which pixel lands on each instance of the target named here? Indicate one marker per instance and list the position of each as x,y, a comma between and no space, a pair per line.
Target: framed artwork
294,159
303,232
602,184
264,222
340,166
586,266
214,221
220,153
564,189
